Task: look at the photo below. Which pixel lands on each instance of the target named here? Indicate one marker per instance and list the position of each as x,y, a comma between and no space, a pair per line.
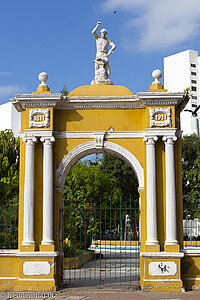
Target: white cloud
10,90
8,73
157,24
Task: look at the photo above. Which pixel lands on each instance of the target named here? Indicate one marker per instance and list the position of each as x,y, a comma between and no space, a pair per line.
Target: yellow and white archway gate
56,132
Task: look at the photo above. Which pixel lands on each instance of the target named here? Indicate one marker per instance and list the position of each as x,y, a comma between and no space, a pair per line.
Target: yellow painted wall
94,120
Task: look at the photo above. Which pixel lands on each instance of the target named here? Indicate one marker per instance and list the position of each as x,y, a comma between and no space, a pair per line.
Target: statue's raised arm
102,68
95,29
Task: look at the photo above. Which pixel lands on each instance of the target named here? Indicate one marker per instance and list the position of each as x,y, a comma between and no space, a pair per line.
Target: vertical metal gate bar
85,236
105,234
110,238
121,233
100,237
90,234
132,238
115,240
125,235
80,217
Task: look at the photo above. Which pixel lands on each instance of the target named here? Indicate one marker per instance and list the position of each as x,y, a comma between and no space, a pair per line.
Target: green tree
190,175
9,188
123,174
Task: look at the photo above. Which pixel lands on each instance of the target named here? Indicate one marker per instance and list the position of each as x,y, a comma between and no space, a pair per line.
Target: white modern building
181,71
10,118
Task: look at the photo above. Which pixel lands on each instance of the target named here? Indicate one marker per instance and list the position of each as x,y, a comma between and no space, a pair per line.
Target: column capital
169,139
47,140
150,140
30,140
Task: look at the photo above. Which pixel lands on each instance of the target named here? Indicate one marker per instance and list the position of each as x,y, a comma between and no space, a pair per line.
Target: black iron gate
101,242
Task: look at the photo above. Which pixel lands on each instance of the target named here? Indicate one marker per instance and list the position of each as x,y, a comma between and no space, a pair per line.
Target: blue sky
55,37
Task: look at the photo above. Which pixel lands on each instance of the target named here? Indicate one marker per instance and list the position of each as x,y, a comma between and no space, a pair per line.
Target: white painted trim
162,254
191,278
191,252
112,135
36,133
161,132
36,279
141,100
161,280
9,278
37,254
90,147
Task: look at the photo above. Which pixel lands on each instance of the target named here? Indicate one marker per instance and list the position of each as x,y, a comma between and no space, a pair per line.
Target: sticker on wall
162,268
160,116
39,117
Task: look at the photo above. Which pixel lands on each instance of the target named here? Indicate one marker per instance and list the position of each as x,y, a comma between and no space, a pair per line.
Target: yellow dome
100,90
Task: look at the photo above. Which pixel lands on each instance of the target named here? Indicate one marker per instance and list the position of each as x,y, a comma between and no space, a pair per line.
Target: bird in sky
194,113
115,12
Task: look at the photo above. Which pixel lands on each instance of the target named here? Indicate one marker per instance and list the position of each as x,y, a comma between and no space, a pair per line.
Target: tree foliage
191,176
9,188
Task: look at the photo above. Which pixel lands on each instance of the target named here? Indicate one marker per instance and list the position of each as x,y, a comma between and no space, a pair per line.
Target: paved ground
111,269
106,293
119,293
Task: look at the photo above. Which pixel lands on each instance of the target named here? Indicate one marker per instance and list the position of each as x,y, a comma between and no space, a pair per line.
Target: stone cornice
22,101
141,100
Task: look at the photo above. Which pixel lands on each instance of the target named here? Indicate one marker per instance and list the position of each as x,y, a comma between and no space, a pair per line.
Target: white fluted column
171,228
151,191
28,227
47,238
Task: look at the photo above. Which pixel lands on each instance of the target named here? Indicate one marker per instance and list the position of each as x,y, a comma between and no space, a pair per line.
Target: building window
194,81
193,73
194,88
193,65
194,105
194,97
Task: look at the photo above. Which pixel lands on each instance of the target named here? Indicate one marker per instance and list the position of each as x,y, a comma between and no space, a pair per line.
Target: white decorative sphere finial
156,74
43,77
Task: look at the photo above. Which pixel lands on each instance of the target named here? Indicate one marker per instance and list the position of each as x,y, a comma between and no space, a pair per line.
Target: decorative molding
99,139
161,132
47,140
162,268
114,134
37,254
150,140
22,101
160,116
90,147
36,133
141,100
30,140
169,139
39,117
90,134
159,255
191,252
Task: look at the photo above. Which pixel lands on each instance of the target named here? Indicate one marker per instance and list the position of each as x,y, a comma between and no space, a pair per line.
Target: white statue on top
102,68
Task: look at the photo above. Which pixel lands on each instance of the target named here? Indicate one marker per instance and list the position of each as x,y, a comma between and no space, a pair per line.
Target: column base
27,248
161,272
171,248
152,248
47,248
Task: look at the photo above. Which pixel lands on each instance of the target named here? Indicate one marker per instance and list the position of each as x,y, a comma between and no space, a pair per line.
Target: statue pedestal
106,81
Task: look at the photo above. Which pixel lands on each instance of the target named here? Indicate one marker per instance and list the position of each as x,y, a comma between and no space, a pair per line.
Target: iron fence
9,224
101,242
191,233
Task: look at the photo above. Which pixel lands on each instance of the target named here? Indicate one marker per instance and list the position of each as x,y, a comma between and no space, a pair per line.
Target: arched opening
101,220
